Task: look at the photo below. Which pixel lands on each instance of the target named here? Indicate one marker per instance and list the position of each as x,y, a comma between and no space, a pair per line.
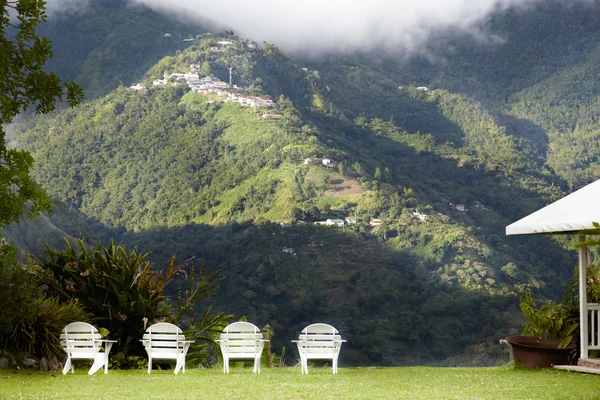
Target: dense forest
426,161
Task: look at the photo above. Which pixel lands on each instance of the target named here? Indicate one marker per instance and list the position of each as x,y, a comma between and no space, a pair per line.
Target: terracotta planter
533,352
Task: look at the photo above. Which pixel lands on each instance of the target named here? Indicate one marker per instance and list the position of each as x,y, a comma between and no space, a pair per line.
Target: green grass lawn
288,383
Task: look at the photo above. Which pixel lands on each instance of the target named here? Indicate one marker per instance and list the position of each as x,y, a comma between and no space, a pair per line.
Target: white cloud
318,26
335,25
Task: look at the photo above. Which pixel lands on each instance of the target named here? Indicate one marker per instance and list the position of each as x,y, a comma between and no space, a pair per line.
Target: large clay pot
535,352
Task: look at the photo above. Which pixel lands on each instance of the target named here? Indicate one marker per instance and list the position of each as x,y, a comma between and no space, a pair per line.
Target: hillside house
350,220
224,43
335,221
326,161
137,86
459,207
289,250
331,222
375,221
167,34
210,85
420,216
422,88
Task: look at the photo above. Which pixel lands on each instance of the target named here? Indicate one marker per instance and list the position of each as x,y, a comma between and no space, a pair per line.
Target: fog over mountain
318,26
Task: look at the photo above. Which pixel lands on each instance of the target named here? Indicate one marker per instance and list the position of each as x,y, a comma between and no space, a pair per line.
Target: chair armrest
298,341
187,341
108,341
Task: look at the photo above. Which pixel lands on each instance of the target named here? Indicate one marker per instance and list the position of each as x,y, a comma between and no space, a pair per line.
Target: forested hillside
426,162
115,43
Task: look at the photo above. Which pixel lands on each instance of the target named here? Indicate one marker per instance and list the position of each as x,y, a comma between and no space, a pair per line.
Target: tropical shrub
18,291
30,323
40,336
551,320
561,320
124,294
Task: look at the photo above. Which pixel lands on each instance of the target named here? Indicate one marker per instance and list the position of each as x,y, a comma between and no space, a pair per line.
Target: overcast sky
336,25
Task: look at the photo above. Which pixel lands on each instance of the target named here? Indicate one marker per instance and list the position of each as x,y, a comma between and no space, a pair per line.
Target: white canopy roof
574,212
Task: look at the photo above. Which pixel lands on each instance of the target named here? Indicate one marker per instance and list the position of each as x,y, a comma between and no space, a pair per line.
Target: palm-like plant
123,292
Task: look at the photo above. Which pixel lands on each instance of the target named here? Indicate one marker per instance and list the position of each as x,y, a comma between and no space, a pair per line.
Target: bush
18,291
121,361
30,323
40,337
124,294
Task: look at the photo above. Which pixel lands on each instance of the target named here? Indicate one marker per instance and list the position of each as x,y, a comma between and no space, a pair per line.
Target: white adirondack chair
319,342
82,341
241,341
165,341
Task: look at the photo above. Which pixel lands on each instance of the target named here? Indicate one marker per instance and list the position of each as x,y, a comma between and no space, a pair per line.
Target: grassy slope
288,383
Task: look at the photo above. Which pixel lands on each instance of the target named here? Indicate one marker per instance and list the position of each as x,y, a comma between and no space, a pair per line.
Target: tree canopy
24,84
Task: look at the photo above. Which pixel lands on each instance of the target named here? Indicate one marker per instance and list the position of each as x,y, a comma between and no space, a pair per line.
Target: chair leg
257,365
99,359
149,364
180,364
68,366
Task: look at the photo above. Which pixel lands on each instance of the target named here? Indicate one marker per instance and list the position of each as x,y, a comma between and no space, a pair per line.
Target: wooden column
583,311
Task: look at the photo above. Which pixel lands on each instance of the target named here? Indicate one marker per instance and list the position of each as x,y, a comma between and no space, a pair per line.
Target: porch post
583,311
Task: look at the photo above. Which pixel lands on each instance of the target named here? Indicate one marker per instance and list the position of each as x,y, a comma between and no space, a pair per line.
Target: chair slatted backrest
164,338
320,339
242,339
80,339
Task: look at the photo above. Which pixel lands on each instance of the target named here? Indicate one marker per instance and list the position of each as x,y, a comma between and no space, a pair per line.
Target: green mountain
428,161
115,43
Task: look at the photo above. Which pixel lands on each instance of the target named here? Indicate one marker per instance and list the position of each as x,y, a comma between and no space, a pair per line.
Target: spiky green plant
40,336
122,291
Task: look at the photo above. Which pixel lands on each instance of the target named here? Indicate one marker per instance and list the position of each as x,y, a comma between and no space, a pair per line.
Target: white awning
572,213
